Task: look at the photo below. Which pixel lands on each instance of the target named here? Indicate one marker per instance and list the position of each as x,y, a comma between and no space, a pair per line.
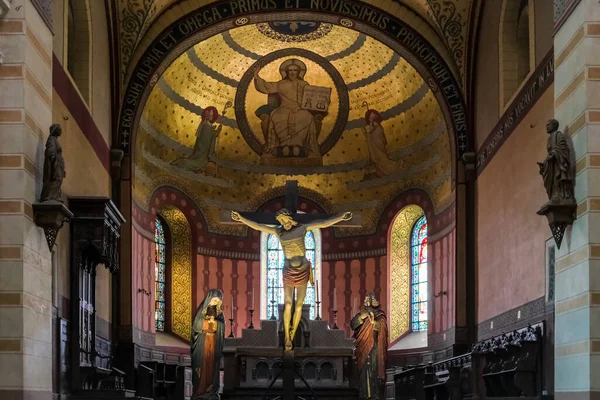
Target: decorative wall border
353,255
562,11
44,8
234,255
537,84
531,312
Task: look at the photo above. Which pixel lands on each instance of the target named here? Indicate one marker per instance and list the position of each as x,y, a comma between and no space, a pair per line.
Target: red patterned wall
353,266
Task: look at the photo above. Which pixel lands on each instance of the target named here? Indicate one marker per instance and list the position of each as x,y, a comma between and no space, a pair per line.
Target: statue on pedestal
371,340
208,332
558,168
54,167
297,269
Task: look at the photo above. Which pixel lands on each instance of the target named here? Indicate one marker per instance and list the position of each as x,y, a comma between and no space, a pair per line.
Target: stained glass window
418,263
159,271
274,270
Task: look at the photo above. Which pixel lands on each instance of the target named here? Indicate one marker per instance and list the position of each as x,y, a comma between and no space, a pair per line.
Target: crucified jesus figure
297,269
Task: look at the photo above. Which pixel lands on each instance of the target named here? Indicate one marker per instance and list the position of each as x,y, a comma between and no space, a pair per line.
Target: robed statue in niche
297,269
291,121
371,341
208,332
54,167
557,170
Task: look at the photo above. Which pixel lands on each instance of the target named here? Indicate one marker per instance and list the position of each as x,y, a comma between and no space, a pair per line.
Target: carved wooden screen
87,311
94,240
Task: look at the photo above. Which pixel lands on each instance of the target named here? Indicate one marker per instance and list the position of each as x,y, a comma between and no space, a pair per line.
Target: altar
322,358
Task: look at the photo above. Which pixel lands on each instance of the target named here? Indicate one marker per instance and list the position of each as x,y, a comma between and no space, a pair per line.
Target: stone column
25,261
577,107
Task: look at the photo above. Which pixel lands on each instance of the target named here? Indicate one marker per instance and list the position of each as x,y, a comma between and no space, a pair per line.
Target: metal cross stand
290,369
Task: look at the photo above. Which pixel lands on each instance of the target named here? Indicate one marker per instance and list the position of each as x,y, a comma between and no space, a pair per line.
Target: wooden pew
163,381
512,363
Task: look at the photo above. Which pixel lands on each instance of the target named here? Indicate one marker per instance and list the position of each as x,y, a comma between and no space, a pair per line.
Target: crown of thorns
283,212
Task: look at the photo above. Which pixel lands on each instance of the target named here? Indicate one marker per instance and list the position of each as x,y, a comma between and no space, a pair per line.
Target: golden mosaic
240,113
181,272
400,236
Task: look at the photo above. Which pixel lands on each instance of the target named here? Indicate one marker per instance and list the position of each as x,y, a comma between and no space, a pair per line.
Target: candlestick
231,323
272,301
318,316
251,326
335,320
334,299
317,289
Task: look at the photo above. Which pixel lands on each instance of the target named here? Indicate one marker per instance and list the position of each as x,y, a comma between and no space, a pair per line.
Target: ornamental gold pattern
399,250
181,272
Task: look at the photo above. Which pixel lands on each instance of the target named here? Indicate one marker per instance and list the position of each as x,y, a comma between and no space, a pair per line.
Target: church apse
234,117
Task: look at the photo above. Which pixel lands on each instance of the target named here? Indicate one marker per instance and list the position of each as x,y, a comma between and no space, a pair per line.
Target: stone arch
399,294
396,33
78,45
516,41
186,223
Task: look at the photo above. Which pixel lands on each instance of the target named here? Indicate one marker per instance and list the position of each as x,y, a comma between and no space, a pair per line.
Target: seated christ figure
289,124
297,269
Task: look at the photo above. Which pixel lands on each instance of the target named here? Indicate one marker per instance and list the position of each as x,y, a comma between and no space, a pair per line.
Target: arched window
418,262
78,45
517,50
272,266
160,274
173,266
407,265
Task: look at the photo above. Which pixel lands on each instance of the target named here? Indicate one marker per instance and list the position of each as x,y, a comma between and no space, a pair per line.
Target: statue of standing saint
371,341
208,332
54,167
557,168
297,269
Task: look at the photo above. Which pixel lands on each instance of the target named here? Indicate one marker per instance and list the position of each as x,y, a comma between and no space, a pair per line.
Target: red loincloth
297,276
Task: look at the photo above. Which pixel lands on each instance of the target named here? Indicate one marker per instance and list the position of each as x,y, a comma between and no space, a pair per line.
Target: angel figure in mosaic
204,146
381,164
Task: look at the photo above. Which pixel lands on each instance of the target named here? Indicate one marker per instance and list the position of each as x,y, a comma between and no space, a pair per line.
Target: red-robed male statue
371,341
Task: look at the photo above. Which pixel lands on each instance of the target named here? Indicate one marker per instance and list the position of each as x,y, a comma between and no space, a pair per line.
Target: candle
354,311
231,307
334,299
253,298
317,289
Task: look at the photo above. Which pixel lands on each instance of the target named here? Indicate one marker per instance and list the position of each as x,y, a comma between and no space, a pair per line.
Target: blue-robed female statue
208,332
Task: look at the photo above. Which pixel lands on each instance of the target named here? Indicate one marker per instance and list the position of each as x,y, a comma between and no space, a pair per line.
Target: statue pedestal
560,214
51,215
322,357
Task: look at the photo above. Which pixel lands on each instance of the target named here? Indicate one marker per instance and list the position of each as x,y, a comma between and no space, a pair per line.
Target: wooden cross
291,203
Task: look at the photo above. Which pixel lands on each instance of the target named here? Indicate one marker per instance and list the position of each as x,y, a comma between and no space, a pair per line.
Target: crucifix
290,227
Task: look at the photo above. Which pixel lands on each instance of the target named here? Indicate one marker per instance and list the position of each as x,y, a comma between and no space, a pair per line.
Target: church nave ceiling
357,72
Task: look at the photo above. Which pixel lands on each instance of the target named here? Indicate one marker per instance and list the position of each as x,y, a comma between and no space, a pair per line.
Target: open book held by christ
316,98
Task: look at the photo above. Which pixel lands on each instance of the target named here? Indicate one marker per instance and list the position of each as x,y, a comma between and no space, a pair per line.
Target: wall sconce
442,293
147,293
